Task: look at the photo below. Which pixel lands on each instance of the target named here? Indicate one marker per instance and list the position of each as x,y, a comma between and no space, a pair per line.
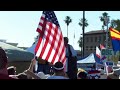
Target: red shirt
2,76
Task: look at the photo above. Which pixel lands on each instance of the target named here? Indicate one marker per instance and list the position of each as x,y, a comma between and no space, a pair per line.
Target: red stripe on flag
114,31
62,53
46,39
57,49
41,32
38,44
115,38
52,43
98,55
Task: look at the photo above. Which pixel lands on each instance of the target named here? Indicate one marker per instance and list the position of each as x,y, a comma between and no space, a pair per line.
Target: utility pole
107,22
83,28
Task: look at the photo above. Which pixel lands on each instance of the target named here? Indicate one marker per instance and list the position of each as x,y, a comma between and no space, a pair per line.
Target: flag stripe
48,31
40,40
62,57
52,43
113,37
115,33
41,24
57,49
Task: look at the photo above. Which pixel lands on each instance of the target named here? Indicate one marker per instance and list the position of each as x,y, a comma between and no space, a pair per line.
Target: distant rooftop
14,44
10,43
95,32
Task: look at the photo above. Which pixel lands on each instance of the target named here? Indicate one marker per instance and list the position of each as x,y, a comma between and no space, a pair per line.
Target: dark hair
3,59
58,66
82,75
11,70
66,39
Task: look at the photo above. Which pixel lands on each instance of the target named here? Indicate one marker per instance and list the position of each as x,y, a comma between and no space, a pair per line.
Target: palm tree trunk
67,31
83,30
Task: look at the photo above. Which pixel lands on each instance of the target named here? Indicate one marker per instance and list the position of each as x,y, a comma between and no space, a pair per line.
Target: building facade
93,39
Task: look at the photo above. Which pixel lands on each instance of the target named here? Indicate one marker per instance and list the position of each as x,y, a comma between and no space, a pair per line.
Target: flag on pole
98,52
102,46
50,44
115,36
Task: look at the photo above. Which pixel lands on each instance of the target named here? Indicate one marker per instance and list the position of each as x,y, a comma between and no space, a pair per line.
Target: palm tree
102,19
68,20
83,23
105,19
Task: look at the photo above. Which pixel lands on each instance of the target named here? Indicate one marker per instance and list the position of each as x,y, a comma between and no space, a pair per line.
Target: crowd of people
45,70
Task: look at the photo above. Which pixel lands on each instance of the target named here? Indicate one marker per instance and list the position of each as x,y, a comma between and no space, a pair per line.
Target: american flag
50,44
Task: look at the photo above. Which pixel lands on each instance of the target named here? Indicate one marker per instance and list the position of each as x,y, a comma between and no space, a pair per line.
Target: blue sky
20,26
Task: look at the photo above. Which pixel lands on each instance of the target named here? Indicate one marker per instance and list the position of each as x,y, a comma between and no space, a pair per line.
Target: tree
82,23
115,24
80,42
103,19
67,20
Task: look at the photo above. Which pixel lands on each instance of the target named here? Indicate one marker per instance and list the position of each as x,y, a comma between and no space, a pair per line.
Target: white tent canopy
32,48
89,59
